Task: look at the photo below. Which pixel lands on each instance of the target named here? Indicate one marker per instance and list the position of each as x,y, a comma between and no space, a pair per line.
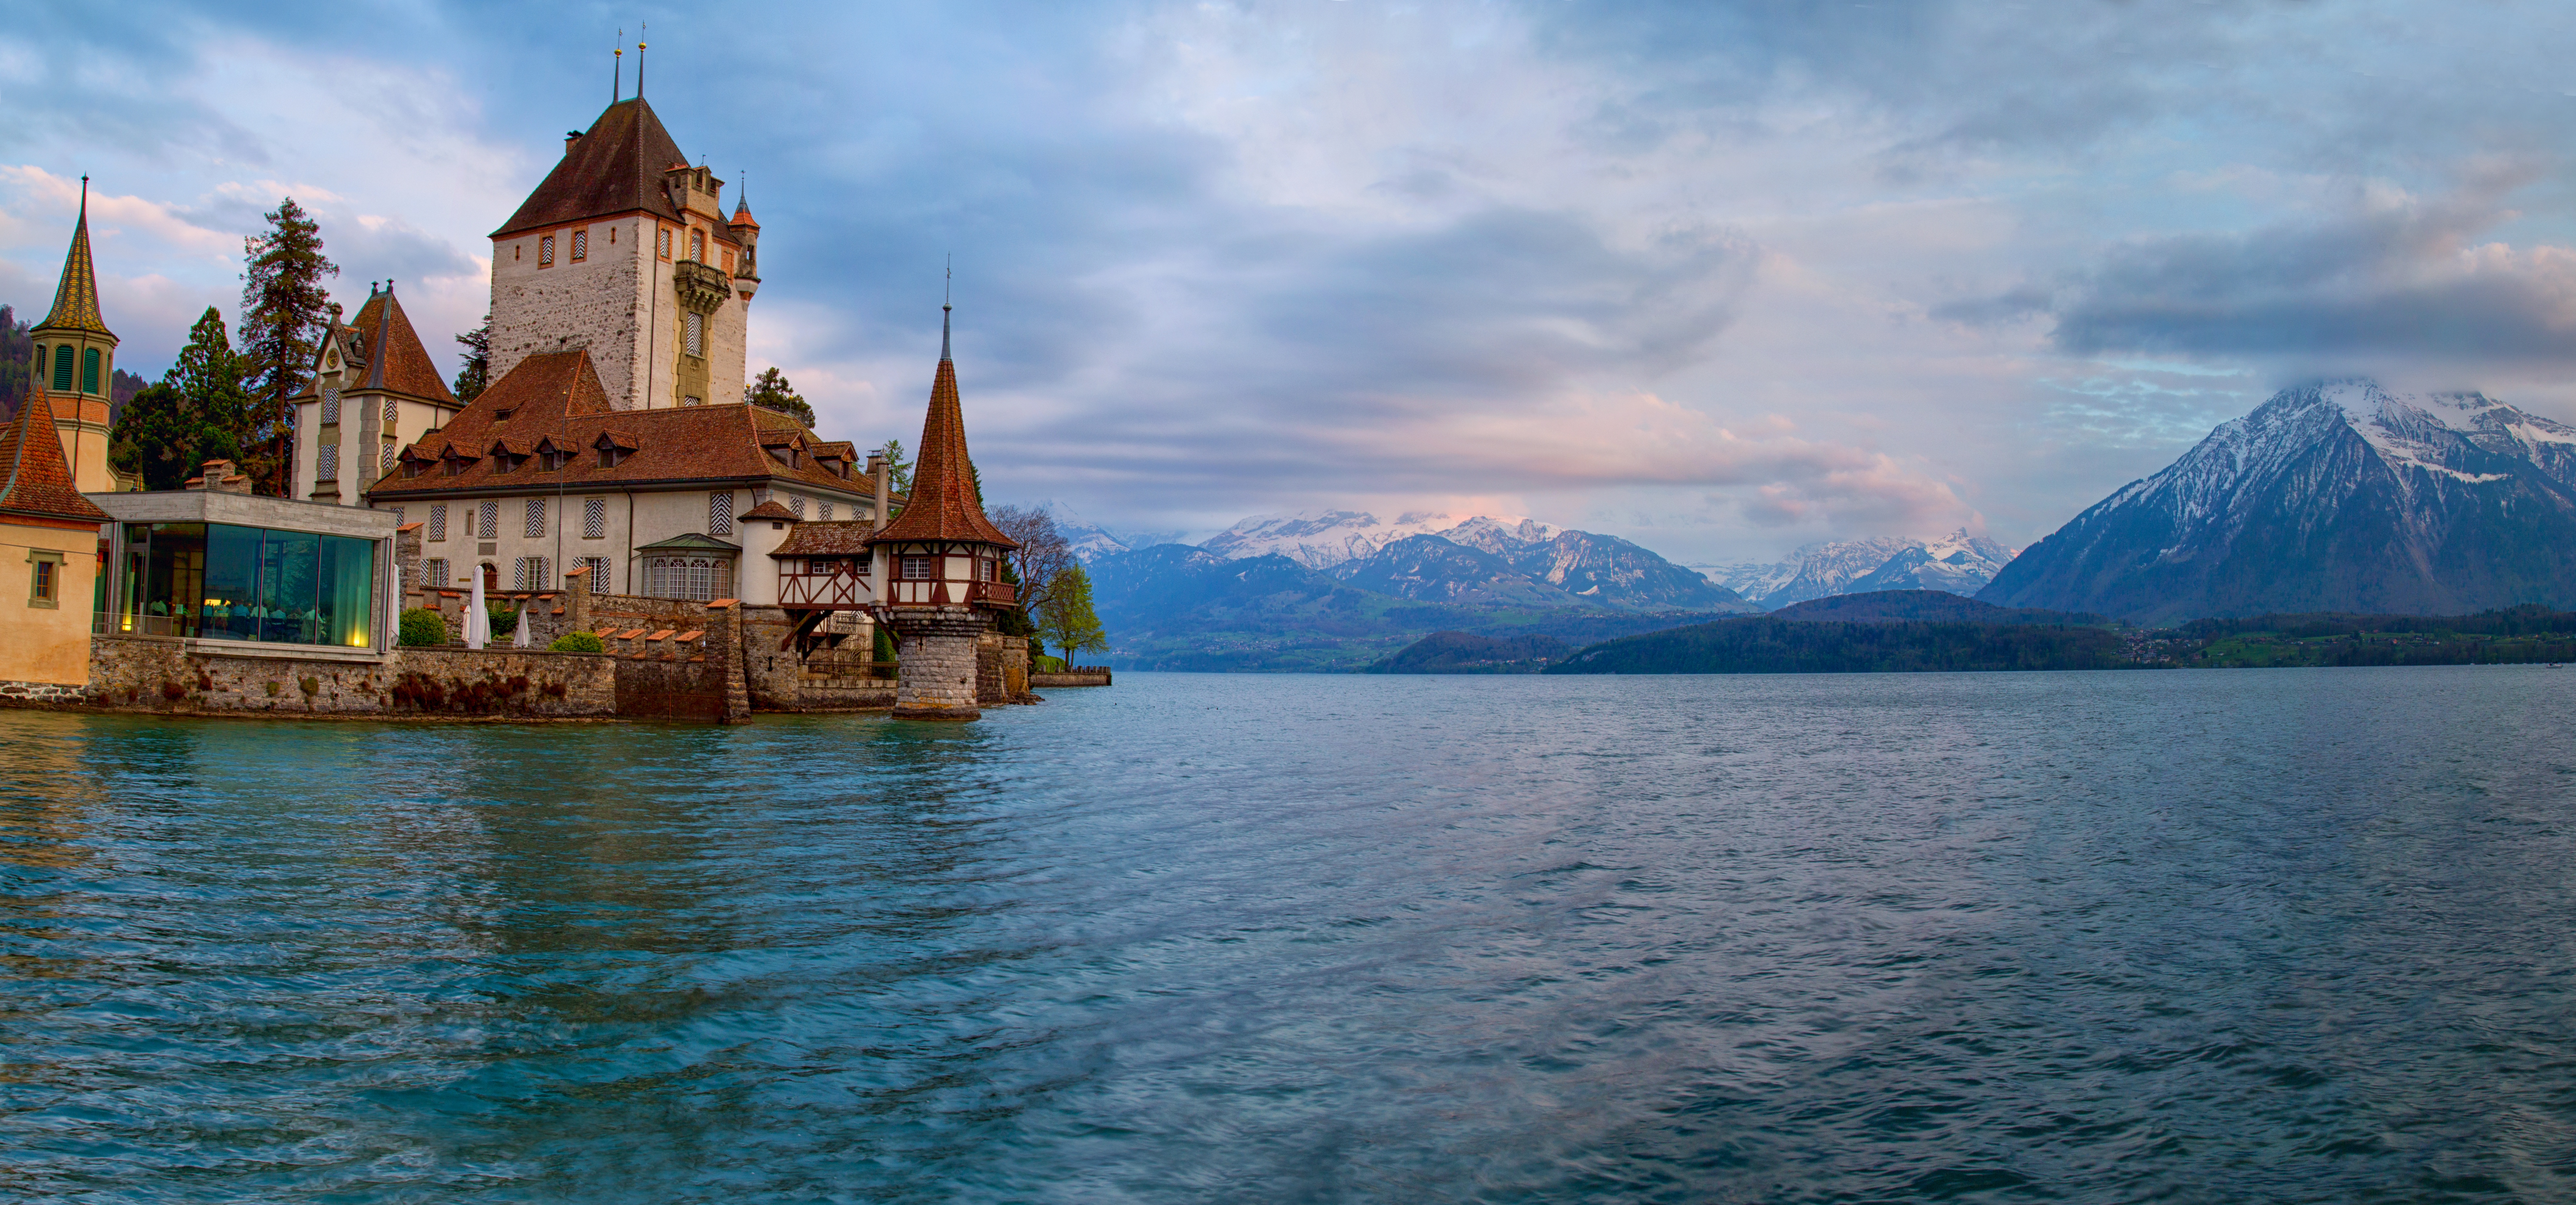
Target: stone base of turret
937,679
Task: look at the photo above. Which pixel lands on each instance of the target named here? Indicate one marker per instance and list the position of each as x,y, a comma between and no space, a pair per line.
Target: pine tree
771,391
476,372
898,474
198,412
284,316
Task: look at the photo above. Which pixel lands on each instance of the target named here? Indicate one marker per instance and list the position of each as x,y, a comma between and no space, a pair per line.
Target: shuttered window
594,518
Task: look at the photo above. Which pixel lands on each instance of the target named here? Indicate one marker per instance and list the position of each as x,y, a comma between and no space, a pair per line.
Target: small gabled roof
395,358
770,509
692,542
35,480
615,167
836,538
515,445
614,438
76,297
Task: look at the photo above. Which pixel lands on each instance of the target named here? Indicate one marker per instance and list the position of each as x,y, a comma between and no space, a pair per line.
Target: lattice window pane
694,333
388,460
433,573
599,583
797,505
392,413
581,244
330,405
827,511
326,463
546,251
491,514
536,518
438,521
720,513
594,518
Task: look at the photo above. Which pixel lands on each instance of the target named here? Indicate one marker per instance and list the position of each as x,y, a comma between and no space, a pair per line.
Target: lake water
2292,935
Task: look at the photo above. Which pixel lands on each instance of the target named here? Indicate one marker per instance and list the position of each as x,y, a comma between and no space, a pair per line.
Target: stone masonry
937,680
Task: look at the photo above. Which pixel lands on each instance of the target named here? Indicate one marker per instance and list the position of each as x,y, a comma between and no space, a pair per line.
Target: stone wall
162,674
1080,675
939,652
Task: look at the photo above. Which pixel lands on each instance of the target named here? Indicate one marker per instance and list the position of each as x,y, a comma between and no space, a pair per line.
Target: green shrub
421,626
578,642
1046,665
505,621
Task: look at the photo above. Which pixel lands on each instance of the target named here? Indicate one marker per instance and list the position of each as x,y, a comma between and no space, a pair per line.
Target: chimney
877,474
571,137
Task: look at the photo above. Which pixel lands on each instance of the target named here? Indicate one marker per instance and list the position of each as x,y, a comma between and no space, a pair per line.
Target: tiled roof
614,168
76,298
395,358
839,538
742,215
770,510
557,394
943,505
691,541
34,477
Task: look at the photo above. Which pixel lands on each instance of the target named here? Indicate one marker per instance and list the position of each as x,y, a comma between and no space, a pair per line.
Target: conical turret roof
943,505
395,358
76,298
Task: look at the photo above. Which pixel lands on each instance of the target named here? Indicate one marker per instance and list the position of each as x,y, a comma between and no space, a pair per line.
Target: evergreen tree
771,391
17,353
476,372
898,474
1066,616
200,411
285,312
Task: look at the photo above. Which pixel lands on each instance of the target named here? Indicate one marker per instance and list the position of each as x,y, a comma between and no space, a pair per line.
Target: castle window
594,518
827,512
697,578
89,371
45,579
438,521
385,459
62,367
662,243
391,413
694,336
698,245
797,505
580,245
689,400
546,251
536,518
456,466
720,513
531,574
433,573
598,574
916,569
610,454
326,463
491,519
330,406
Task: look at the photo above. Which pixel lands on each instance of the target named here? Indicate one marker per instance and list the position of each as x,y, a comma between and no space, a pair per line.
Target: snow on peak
1321,539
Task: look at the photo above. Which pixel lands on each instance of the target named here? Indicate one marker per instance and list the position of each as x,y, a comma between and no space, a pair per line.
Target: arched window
698,245
697,578
62,368
89,371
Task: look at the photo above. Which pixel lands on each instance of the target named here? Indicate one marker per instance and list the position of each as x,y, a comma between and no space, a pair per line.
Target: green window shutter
62,367
89,371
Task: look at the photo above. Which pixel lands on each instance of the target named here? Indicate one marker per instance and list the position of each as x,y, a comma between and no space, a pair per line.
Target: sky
1721,278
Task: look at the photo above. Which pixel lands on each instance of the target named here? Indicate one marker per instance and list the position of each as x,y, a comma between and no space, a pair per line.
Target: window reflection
217,581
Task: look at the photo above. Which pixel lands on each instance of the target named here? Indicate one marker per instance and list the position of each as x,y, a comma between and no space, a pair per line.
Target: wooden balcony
839,591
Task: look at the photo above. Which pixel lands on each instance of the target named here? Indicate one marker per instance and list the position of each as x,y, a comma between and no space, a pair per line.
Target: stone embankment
1080,675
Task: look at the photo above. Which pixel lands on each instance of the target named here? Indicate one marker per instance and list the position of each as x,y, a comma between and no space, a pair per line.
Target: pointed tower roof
943,505
616,167
35,480
742,215
395,358
76,298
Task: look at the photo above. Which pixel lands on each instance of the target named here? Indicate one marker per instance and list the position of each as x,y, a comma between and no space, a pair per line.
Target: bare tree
1043,555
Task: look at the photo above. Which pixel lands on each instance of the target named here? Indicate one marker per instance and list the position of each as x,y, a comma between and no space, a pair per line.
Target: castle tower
373,391
624,251
75,361
938,565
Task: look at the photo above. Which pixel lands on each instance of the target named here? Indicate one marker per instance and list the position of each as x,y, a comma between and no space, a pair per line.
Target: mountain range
2336,496
1958,563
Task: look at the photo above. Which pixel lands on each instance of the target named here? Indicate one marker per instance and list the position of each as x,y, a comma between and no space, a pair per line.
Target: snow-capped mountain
1321,539
1959,563
2338,496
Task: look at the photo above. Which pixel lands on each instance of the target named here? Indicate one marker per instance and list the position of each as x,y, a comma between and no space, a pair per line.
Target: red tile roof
839,538
943,505
770,509
557,395
35,480
395,358
614,168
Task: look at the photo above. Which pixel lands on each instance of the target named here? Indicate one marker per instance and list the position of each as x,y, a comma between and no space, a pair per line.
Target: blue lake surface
2287,935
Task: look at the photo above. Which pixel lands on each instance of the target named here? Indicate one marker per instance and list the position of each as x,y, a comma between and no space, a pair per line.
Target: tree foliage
476,371
285,312
1067,618
898,470
1043,554
198,412
771,391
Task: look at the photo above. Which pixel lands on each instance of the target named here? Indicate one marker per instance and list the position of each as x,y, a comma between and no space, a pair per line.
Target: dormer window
552,459
502,416
456,466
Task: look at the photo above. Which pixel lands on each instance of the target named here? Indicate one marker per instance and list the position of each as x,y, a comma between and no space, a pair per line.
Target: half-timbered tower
938,565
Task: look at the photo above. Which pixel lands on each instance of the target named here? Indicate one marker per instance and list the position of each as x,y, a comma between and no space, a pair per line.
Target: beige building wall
46,643
632,520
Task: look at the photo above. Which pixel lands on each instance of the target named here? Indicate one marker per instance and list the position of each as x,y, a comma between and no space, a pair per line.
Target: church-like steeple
76,298
943,504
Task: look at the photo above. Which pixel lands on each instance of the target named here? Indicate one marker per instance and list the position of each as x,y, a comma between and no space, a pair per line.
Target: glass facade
217,581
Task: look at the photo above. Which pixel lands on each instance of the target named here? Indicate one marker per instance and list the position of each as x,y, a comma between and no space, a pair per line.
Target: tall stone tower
624,251
938,565
75,362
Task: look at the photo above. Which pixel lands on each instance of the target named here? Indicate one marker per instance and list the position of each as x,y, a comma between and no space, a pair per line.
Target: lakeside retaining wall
166,675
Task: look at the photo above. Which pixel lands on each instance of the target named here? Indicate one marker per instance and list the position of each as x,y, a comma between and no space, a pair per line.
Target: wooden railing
824,590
